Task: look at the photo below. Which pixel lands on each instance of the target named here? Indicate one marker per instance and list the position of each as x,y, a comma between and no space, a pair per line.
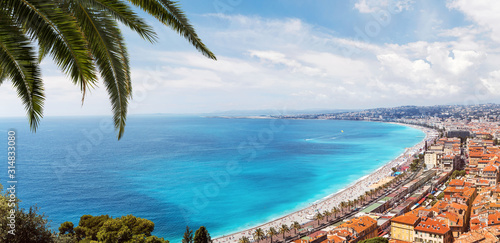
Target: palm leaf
57,34
83,38
19,64
168,13
123,13
107,48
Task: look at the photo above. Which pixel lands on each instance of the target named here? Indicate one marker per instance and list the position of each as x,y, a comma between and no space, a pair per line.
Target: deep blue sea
225,174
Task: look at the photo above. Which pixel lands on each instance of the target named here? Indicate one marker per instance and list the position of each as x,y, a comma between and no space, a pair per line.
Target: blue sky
296,54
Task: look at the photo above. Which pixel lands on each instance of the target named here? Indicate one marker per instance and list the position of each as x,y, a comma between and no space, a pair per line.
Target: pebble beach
353,191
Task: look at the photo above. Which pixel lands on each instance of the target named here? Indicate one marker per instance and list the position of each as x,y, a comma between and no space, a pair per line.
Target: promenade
355,190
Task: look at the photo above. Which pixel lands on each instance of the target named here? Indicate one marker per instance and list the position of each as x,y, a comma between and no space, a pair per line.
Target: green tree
146,239
375,240
334,211
66,228
244,239
327,213
271,232
106,229
89,226
202,236
343,205
65,239
283,230
258,234
362,199
318,216
126,228
188,236
350,204
296,226
30,227
84,39
138,225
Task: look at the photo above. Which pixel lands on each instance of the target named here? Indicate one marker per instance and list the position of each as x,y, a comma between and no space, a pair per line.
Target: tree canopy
30,225
202,236
375,240
116,230
188,236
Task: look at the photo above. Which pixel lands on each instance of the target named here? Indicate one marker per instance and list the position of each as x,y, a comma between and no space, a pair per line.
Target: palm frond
57,34
19,64
168,13
123,13
107,48
83,38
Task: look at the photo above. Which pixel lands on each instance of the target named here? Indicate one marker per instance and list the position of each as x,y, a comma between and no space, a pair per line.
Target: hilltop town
449,192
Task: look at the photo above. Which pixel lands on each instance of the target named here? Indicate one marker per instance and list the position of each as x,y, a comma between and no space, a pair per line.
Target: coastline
351,191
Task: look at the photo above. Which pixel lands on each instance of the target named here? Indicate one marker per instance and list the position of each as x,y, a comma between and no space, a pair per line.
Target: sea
178,171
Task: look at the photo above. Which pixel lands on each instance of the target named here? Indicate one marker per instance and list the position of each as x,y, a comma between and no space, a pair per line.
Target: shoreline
349,192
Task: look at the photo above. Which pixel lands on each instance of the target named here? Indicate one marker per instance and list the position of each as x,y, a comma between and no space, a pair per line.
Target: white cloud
371,6
280,58
453,61
405,68
482,12
270,63
492,82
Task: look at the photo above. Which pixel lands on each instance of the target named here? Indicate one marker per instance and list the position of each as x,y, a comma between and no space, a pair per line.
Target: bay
225,174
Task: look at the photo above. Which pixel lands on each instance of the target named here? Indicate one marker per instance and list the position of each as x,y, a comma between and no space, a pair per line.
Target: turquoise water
225,174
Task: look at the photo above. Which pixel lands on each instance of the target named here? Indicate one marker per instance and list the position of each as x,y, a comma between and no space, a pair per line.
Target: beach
352,191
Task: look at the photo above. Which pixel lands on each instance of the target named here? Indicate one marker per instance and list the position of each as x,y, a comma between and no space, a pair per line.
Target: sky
301,55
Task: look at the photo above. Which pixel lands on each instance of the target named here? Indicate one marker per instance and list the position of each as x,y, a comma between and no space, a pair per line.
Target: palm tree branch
125,15
108,51
18,61
184,22
170,15
125,62
59,35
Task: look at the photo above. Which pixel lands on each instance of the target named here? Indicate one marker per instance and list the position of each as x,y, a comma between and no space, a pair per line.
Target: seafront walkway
314,226
346,200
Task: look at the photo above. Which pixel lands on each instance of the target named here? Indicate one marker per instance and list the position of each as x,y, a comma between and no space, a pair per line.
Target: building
490,173
431,230
362,228
403,227
448,162
430,160
483,235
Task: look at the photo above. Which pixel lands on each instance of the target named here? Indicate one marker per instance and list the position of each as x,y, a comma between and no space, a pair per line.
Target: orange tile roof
335,239
359,224
454,219
476,154
483,181
494,219
490,168
479,234
456,182
432,226
407,218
